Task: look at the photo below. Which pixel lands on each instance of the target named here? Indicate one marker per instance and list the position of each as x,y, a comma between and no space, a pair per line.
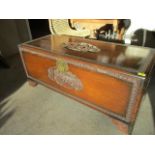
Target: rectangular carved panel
104,91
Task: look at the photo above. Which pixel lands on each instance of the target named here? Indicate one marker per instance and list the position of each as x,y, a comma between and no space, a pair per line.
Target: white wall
136,24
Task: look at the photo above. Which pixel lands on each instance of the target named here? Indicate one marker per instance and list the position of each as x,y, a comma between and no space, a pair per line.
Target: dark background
39,27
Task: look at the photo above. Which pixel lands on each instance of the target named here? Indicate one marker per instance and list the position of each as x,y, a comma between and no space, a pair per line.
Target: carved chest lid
133,59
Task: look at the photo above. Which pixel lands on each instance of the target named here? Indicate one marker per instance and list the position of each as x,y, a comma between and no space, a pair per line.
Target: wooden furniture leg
32,83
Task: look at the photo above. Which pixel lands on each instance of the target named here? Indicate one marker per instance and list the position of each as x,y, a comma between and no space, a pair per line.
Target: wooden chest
108,77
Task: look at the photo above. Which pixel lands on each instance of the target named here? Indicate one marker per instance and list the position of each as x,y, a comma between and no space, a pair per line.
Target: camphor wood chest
111,80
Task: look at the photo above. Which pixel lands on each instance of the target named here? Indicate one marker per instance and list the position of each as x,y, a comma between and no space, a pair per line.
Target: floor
25,110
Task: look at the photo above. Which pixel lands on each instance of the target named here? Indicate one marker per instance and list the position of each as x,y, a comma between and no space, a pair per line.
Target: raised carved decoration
62,76
81,46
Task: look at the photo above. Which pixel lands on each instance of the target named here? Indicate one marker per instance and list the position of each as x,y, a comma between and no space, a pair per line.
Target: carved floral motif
81,46
62,76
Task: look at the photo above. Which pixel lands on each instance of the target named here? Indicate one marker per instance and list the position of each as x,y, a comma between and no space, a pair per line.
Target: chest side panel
103,91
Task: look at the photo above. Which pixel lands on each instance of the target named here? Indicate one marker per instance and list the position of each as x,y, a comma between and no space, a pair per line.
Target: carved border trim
133,81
